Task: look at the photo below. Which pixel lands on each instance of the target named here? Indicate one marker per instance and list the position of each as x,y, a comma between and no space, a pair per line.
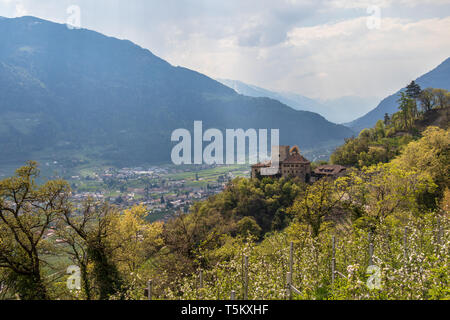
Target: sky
318,48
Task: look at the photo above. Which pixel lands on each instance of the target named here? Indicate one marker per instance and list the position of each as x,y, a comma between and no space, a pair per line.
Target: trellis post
370,249
149,289
289,285
245,277
405,245
333,260
291,257
200,283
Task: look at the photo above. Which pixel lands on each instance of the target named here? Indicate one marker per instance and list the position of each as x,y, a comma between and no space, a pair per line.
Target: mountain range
80,94
342,109
339,110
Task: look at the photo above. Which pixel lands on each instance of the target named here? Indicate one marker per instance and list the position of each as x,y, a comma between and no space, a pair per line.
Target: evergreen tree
413,90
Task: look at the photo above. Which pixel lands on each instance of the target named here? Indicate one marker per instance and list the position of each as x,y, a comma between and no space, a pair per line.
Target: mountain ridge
80,93
339,110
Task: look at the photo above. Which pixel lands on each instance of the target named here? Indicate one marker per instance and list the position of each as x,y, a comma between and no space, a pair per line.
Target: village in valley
164,190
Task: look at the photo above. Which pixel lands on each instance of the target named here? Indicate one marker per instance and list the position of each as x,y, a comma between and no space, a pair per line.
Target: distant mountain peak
336,110
30,19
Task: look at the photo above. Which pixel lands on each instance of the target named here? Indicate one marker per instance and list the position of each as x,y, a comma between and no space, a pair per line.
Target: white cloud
383,3
360,3
330,60
304,35
21,10
13,8
362,62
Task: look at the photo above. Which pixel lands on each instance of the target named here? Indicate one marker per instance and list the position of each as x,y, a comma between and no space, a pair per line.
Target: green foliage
429,155
248,226
318,201
264,200
26,212
385,141
420,274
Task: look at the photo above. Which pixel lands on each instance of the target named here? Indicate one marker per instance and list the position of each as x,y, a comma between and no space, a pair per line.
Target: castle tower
284,152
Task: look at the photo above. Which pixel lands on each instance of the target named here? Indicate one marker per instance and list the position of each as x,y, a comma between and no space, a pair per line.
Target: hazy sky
319,48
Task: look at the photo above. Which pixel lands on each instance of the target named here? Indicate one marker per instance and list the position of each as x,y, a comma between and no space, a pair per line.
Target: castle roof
329,169
295,158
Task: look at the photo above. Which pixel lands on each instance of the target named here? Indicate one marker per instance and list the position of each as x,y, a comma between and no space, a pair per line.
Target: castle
291,164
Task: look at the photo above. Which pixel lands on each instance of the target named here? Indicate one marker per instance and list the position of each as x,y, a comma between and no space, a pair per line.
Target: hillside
79,94
436,78
331,233
387,138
